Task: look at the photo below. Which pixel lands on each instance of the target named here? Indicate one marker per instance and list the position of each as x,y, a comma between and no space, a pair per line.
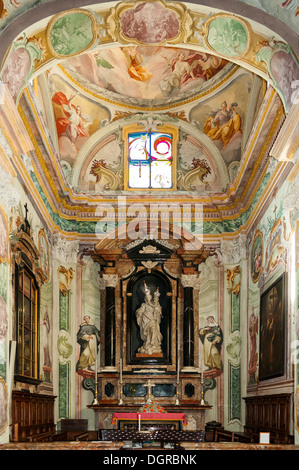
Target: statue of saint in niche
148,317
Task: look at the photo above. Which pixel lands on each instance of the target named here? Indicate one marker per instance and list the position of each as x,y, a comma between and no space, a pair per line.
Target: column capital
190,280
110,280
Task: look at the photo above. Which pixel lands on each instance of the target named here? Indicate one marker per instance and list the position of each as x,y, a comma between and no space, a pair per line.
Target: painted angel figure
72,126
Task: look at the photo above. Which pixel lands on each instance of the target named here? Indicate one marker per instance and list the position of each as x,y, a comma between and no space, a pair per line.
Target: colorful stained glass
161,174
150,160
161,147
139,146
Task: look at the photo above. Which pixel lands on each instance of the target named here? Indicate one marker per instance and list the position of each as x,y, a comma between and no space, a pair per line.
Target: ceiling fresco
143,72
83,76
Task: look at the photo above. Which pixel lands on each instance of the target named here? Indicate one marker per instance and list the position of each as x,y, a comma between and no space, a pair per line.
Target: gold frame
164,128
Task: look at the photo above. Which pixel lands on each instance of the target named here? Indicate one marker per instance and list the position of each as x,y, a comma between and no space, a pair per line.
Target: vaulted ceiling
222,80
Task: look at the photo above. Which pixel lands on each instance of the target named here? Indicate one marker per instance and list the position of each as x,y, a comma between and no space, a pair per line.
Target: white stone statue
148,319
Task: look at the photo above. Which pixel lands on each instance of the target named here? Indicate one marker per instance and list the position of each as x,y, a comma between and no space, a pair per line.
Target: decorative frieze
8,194
65,251
233,251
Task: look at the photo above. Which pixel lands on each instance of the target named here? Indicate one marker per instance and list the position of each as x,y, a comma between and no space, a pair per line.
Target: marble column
189,281
111,281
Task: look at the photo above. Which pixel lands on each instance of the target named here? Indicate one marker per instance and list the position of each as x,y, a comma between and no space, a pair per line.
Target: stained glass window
150,160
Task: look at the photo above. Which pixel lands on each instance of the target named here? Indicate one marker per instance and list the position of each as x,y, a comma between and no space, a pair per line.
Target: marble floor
112,446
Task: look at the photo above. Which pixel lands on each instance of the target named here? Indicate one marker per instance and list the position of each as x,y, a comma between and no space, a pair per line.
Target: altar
144,421
150,302
185,416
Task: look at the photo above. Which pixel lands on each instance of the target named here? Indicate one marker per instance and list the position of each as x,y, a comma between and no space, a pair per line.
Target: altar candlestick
95,401
139,418
178,371
201,378
121,371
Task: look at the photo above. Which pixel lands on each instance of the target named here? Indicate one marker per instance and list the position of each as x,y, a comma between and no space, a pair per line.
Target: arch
30,20
41,12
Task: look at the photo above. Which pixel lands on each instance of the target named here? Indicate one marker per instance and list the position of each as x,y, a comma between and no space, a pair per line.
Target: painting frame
273,330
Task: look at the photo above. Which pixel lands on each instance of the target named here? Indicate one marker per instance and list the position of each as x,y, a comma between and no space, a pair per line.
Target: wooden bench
224,435
269,413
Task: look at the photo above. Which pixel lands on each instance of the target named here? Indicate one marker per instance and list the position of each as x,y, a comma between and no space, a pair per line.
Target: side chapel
149,235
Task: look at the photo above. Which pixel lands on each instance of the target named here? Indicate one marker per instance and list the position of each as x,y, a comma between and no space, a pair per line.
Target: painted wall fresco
19,64
76,118
223,118
286,11
4,325
283,67
269,250
220,33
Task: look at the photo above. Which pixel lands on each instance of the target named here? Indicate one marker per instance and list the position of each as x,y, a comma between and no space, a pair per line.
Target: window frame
33,328
164,128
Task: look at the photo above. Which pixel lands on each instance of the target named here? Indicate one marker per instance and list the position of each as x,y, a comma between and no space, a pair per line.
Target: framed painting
273,330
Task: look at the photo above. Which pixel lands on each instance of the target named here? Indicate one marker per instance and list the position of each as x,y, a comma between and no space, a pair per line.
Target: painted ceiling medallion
71,32
151,22
227,35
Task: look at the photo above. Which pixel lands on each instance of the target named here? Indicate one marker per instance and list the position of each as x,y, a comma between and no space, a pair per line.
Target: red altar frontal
145,420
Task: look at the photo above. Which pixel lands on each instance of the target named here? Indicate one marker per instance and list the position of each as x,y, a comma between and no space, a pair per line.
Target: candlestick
139,421
201,375
178,371
120,383
95,401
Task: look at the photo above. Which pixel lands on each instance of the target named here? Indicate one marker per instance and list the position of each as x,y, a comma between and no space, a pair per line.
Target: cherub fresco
71,124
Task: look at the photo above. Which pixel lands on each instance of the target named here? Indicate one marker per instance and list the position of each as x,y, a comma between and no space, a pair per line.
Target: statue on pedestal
148,317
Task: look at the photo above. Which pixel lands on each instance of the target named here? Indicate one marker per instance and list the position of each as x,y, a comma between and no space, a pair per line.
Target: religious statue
212,337
148,317
88,337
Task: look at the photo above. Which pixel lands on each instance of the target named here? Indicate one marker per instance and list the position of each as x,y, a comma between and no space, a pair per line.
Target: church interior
149,224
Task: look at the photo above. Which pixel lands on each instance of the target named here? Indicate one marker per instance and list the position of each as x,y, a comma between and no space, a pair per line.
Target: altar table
149,417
